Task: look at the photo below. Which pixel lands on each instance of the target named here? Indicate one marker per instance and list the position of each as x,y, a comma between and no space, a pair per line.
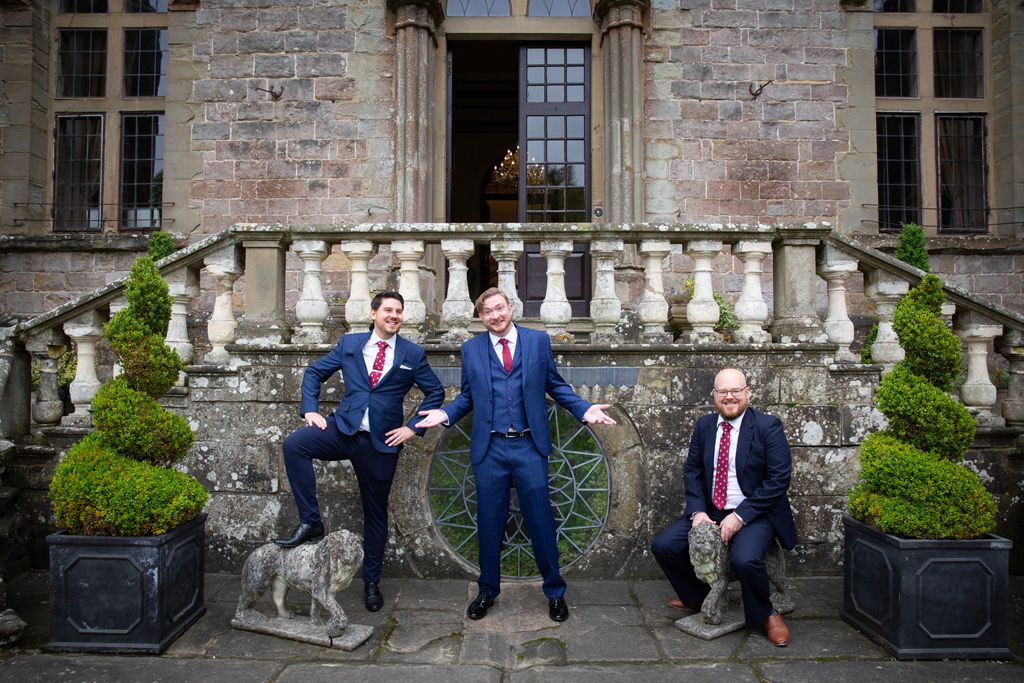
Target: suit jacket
385,400
540,377
763,467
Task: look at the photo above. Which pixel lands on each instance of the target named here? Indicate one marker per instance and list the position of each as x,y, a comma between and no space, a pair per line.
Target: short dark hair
487,294
388,294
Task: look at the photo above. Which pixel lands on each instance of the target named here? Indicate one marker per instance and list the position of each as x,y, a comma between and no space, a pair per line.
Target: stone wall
241,416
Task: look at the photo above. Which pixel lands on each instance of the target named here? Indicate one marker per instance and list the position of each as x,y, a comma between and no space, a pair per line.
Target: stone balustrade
256,256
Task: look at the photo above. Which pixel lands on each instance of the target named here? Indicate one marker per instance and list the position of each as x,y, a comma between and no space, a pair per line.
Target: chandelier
505,174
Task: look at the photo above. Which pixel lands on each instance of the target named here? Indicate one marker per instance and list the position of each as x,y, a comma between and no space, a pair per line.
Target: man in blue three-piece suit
737,473
378,368
506,373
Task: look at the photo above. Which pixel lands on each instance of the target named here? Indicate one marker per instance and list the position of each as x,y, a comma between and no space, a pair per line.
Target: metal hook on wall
276,94
756,92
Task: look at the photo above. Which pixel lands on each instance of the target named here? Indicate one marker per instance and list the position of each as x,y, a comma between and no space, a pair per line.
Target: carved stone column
555,311
84,331
357,308
183,285
702,311
751,308
622,46
263,320
457,310
885,291
1011,347
605,307
978,393
224,267
416,22
15,388
796,318
835,269
409,254
507,253
311,309
652,307
46,348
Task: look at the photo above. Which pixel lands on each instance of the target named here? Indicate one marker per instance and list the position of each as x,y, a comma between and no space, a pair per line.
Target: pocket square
404,367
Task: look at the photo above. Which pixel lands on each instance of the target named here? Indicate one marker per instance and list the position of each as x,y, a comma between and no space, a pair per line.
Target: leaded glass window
899,170
78,173
956,6
145,62
478,8
962,187
142,170
82,6
558,8
895,62
144,6
82,63
959,63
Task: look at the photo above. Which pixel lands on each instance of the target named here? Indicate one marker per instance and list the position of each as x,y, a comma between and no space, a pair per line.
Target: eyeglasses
722,393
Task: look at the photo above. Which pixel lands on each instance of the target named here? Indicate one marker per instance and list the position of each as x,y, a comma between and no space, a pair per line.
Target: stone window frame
110,106
519,28
929,108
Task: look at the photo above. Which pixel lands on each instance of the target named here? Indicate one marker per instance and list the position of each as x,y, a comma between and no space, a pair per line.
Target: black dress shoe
558,610
374,600
478,608
304,533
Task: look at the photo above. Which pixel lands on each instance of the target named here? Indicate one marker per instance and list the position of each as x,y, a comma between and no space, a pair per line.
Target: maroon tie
506,355
378,363
722,469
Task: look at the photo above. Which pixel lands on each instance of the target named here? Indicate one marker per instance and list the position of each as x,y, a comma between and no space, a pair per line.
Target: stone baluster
15,389
224,267
357,308
555,310
885,291
605,307
85,330
796,315
457,309
978,393
410,254
507,253
702,310
183,285
116,306
263,321
1011,347
835,268
652,307
46,348
311,309
751,309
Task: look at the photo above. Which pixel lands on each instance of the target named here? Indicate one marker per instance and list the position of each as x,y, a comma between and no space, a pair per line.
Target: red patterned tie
378,363
506,355
722,469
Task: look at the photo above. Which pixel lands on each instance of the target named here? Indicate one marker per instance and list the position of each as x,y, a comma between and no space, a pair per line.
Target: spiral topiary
910,483
116,480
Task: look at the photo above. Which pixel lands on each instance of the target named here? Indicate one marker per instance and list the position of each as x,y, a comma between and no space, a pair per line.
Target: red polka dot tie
378,363
506,355
722,469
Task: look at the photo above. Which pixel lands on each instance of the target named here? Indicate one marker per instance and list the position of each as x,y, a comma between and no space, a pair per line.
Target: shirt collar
512,336
374,339
734,423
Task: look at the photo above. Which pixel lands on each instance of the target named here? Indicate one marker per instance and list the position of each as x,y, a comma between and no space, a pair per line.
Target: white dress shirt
734,495
513,338
369,356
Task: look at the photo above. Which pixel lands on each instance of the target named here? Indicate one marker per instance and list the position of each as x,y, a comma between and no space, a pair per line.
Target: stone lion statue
320,570
710,560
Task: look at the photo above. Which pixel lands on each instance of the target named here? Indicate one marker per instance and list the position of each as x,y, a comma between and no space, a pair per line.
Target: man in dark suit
506,373
378,368
737,473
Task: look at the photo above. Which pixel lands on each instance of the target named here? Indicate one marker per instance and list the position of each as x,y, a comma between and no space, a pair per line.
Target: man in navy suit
506,373
737,473
378,368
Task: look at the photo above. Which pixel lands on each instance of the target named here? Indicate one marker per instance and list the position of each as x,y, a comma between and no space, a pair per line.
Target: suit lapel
357,352
743,445
483,361
709,451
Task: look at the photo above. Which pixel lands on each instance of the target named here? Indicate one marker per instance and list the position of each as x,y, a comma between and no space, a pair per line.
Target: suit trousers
747,548
374,470
515,461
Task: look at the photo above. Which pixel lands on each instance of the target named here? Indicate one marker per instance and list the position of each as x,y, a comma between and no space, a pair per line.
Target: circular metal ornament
578,482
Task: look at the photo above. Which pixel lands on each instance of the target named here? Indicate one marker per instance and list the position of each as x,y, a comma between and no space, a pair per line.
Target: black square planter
132,593
925,599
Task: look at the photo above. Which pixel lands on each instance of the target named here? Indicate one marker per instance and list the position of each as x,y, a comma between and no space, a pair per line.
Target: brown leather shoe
776,630
676,603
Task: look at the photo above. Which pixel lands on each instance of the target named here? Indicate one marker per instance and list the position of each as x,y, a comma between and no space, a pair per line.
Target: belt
511,434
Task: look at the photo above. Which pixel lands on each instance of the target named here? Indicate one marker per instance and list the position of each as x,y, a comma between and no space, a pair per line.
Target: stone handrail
259,252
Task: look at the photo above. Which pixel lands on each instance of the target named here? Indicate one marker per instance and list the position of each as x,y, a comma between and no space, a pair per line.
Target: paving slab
733,672
432,594
817,597
204,634
441,650
609,644
104,669
812,639
599,593
679,646
889,671
388,673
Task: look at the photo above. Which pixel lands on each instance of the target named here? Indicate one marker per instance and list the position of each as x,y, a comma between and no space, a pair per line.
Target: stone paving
617,629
